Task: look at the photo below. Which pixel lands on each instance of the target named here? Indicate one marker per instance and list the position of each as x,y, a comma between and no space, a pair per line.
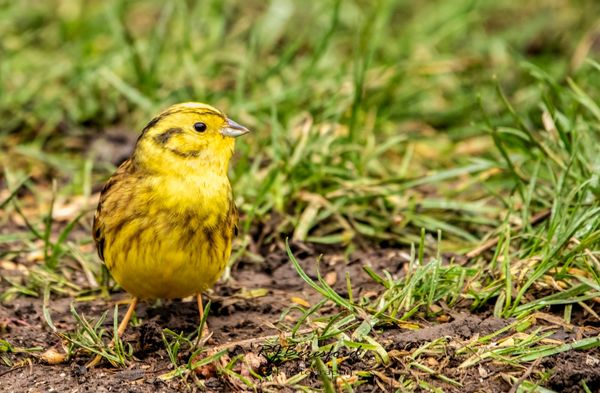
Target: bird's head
191,134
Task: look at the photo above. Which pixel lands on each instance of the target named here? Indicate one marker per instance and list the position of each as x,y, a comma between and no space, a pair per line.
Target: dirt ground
236,319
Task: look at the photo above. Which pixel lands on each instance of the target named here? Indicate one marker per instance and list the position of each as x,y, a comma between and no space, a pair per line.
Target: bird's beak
234,129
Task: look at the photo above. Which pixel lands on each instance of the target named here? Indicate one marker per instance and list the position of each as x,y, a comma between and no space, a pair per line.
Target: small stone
482,372
331,278
53,356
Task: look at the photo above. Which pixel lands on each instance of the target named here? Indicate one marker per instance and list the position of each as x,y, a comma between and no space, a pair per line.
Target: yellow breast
174,239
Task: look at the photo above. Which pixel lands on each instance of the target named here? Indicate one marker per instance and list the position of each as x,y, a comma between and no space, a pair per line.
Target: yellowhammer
166,217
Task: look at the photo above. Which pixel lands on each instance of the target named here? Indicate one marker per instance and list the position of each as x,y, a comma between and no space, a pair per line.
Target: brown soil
234,318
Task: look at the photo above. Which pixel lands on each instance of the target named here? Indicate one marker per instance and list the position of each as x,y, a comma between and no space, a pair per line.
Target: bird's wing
98,226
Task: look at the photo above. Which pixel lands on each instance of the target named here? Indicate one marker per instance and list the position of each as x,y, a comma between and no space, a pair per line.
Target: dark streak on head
158,118
152,123
185,154
163,138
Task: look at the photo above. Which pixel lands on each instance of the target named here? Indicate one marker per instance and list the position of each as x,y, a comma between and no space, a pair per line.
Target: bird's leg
200,306
123,325
120,330
205,330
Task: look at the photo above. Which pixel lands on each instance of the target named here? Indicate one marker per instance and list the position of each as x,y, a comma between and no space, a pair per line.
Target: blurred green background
80,64
370,118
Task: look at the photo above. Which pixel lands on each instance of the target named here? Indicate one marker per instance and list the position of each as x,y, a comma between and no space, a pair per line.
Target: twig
10,370
493,241
15,367
522,378
250,341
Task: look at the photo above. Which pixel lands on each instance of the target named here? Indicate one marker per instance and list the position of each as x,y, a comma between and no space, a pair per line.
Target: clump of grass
177,344
541,255
517,346
91,338
548,161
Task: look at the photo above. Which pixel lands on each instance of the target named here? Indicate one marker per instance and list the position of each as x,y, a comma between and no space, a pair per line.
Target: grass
464,132
90,338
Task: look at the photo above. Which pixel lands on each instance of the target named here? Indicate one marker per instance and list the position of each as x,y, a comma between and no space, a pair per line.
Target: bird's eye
200,127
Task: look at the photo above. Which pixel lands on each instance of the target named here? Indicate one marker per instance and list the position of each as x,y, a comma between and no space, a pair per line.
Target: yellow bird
166,218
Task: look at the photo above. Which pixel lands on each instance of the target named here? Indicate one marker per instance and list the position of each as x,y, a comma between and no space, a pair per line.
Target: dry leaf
344,380
300,301
432,362
443,318
253,293
210,370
